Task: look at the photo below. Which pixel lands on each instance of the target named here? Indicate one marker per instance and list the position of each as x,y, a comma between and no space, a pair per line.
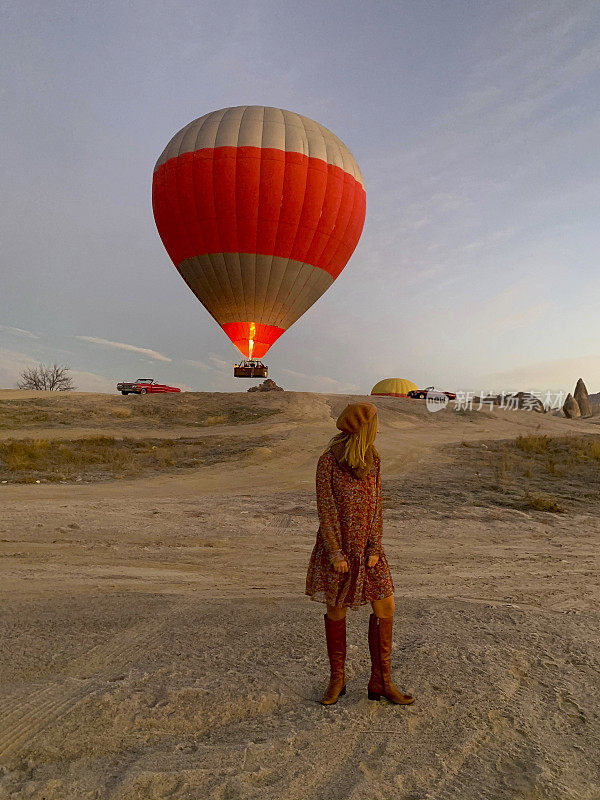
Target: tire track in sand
24,713
503,746
44,707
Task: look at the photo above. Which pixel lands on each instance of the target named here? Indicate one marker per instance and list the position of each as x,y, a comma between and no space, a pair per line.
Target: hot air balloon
394,387
260,210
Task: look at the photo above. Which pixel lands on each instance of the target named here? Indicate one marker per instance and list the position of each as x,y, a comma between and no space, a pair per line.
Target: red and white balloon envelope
260,210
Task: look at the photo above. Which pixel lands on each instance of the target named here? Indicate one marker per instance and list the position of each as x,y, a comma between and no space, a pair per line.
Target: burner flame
251,339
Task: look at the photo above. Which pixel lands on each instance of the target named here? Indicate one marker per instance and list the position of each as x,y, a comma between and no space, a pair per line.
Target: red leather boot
380,648
335,633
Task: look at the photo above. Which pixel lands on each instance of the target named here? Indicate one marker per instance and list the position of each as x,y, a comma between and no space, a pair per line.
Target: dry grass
150,411
533,444
543,503
549,475
569,466
106,457
566,449
504,470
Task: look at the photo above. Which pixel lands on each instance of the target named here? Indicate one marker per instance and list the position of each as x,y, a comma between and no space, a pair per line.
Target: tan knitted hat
354,416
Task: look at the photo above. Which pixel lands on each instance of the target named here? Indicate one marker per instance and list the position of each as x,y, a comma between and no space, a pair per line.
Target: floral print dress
351,525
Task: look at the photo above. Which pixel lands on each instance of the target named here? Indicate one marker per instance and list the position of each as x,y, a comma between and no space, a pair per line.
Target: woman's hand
341,565
372,561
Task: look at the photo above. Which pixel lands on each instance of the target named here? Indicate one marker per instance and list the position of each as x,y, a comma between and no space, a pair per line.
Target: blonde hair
356,444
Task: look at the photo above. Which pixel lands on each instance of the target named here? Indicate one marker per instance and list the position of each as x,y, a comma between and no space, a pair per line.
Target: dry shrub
20,455
59,458
533,444
504,470
122,413
544,503
551,467
594,450
217,419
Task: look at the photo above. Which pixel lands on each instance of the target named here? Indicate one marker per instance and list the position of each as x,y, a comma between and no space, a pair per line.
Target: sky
476,125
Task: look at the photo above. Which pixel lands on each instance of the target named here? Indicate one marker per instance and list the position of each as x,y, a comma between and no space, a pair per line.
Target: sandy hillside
156,642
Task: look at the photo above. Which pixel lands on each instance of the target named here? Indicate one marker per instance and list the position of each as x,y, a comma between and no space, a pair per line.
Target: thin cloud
522,318
18,332
11,366
198,364
219,364
91,382
123,346
321,383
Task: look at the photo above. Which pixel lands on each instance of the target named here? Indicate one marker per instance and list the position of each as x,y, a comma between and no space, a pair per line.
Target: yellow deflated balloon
394,387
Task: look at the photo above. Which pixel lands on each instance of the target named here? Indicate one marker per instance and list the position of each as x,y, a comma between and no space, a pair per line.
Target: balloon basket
250,369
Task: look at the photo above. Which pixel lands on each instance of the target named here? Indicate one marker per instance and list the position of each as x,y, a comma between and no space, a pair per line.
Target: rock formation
582,399
517,400
266,386
530,402
570,407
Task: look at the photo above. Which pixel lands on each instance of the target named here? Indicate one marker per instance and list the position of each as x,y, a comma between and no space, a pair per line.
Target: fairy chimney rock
582,399
570,407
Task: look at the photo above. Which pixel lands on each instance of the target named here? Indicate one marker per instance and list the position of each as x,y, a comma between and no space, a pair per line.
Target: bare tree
51,379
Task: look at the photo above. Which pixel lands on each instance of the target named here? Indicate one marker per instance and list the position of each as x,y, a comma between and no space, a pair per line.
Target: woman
348,567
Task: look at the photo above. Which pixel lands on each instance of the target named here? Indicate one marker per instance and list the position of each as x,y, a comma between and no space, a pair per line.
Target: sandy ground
156,642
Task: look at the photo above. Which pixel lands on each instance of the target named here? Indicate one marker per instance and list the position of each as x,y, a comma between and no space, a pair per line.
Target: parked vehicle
421,394
250,369
145,386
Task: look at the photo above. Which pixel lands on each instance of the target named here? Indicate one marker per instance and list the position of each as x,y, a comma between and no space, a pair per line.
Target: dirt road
156,641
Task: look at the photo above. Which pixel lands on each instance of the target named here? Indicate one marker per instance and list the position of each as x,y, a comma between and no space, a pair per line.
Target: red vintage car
145,386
